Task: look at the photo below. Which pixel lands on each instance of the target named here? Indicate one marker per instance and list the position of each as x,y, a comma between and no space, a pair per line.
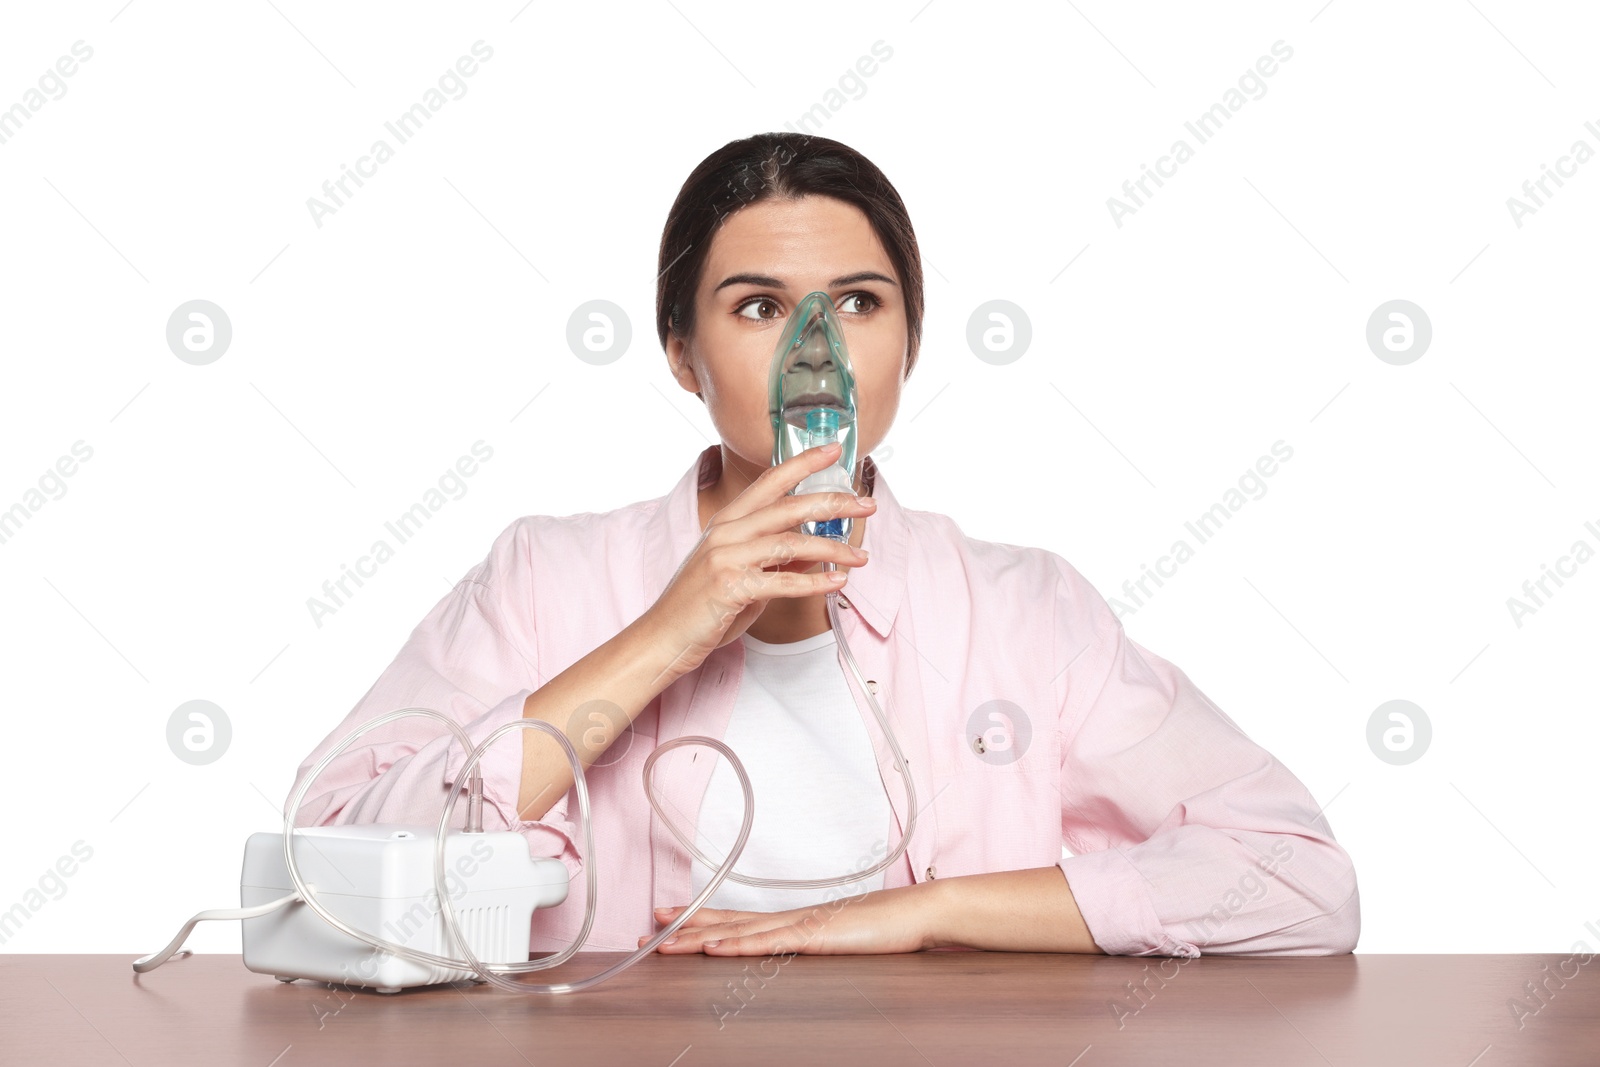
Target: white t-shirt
821,810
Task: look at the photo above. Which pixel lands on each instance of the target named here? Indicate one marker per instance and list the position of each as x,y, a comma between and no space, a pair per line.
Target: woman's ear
682,368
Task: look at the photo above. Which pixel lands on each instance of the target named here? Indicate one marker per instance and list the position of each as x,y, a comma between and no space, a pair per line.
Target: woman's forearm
1010,911
624,675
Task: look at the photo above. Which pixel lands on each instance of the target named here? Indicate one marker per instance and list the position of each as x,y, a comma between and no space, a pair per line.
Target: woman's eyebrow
769,282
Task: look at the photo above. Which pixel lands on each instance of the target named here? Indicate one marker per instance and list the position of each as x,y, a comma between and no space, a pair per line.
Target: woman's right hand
752,551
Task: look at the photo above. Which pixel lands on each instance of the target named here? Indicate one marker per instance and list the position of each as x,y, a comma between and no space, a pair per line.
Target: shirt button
872,687
931,871
844,603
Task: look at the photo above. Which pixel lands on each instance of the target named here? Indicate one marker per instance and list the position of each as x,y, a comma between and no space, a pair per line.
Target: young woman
1028,718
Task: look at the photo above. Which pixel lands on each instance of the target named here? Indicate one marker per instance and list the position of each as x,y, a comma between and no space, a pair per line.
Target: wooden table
941,1007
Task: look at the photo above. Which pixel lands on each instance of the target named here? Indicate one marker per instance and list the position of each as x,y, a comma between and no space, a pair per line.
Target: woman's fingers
772,484
794,551
773,523
709,925
753,551
703,917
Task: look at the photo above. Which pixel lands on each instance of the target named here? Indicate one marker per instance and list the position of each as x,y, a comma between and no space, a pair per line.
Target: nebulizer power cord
813,403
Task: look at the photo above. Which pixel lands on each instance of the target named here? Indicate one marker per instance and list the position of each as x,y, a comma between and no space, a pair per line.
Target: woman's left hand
888,920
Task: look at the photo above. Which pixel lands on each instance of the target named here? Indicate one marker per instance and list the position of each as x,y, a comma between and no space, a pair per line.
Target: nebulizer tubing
815,331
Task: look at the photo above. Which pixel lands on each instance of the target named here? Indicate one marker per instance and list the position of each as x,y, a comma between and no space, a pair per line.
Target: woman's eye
845,305
757,302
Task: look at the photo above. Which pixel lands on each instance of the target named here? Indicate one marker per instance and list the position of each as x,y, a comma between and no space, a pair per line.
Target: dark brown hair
770,166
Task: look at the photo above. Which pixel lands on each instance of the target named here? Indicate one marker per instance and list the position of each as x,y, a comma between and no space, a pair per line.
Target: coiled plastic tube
495,972
899,762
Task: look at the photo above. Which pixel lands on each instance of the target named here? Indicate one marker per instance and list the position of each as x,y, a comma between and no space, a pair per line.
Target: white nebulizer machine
388,906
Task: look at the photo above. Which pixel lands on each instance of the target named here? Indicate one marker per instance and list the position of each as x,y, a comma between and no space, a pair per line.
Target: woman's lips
811,400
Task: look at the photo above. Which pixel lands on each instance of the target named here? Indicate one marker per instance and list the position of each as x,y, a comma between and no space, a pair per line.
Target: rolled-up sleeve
1188,836
472,659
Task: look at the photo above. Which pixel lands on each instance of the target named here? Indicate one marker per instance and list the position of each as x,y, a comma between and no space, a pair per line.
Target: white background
1167,356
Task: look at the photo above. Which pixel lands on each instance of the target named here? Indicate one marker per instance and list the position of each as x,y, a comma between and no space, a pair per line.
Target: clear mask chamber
812,391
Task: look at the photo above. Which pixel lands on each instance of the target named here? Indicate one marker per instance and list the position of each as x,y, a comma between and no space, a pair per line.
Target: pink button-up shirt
1030,721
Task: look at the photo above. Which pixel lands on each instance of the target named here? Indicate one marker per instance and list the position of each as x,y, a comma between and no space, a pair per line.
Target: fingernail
866,501
670,941
861,552
710,944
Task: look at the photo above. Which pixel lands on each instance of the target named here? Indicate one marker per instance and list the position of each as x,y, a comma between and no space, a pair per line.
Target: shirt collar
874,590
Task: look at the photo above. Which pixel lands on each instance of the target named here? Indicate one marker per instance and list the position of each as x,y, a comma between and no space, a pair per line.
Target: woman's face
764,259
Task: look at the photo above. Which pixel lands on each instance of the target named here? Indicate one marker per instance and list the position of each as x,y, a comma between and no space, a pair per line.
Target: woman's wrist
934,914
662,647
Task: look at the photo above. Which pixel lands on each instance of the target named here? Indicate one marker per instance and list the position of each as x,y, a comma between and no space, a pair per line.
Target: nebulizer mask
321,923
812,391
